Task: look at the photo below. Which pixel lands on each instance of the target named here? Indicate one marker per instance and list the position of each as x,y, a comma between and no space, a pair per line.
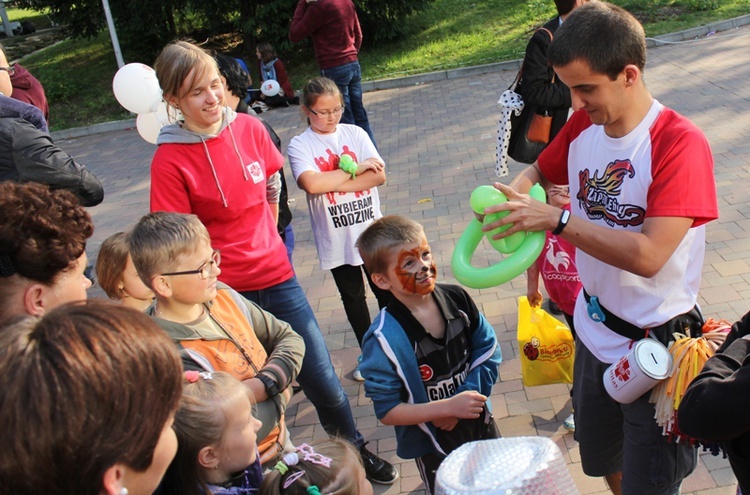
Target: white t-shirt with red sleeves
662,168
338,218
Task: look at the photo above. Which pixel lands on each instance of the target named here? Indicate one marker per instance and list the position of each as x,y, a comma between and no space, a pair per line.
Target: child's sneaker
554,308
570,423
357,375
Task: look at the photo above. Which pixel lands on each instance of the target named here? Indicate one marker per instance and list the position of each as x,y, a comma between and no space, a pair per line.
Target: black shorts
616,437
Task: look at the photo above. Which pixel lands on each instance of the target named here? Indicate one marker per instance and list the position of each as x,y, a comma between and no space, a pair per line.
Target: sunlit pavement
438,140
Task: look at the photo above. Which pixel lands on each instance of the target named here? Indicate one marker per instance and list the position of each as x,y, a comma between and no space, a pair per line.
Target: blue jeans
289,242
348,78
287,302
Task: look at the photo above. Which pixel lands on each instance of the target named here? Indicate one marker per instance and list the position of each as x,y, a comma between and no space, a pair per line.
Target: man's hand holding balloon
526,214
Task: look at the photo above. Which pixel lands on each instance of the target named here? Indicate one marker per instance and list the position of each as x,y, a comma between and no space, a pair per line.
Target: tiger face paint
415,269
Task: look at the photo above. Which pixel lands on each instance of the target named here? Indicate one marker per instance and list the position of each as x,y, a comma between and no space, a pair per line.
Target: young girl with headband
331,467
217,439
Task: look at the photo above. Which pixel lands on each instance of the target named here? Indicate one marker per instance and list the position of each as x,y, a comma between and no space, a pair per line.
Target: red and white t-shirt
557,266
662,168
338,218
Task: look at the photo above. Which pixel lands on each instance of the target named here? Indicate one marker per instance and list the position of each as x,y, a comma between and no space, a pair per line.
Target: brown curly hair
42,232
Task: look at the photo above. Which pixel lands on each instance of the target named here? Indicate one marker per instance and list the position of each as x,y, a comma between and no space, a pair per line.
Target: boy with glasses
215,328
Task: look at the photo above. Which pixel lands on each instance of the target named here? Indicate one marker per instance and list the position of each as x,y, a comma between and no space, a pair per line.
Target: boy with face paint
430,358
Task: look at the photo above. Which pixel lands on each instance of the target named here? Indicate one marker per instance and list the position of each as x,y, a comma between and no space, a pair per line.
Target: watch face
562,223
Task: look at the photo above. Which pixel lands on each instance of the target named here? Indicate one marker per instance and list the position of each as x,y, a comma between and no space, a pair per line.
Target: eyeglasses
205,270
9,70
323,115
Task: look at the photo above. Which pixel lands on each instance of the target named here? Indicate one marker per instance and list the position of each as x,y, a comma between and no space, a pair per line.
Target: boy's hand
256,388
446,424
467,405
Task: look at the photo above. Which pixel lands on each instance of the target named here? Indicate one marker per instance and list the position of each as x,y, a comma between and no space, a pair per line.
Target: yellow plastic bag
547,347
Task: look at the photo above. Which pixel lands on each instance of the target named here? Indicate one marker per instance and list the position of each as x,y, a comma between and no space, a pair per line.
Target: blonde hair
110,264
200,421
338,479
377,242
159,239
180,62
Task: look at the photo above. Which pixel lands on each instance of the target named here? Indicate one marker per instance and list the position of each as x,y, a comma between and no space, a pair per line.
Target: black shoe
377,470
554,308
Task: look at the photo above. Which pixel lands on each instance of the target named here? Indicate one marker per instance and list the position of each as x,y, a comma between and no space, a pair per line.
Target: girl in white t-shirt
342,193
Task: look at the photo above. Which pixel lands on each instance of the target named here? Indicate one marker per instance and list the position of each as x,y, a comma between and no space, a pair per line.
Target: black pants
350,283
468,430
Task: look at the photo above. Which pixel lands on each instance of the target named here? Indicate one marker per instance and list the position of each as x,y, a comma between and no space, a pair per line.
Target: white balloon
137,88
148,126
270,87
165,115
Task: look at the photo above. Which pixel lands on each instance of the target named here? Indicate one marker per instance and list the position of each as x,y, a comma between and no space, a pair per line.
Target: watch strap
562,223
272,388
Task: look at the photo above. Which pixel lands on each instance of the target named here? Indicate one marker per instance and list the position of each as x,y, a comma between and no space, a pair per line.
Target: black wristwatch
564,218
272,388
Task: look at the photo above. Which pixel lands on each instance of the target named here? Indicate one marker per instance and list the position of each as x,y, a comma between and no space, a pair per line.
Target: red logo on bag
531,351
426,372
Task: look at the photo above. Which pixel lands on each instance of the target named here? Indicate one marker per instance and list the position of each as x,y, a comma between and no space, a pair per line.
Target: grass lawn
77,75
39,20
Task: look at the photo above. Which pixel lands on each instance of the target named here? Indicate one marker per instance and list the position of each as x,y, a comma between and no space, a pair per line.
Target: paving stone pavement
438,142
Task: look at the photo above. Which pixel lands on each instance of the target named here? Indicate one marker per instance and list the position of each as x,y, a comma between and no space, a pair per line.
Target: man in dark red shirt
23,86
337,38
27,88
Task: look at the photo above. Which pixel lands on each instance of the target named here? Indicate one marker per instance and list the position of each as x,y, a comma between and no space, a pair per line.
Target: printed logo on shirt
446,388
256,172
331,160
425,372
558,258
599,195
352,212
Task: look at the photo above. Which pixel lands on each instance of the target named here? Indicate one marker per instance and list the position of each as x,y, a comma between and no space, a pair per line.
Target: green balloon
484,197
346,161
524,252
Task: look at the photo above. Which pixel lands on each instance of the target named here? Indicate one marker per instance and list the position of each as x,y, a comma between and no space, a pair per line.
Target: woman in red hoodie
223,167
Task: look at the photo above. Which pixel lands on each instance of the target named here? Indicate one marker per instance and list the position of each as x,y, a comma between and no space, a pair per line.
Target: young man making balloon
640,239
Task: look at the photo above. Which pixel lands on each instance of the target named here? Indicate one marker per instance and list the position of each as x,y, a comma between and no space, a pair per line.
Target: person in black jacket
27,154
715,405
536,85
